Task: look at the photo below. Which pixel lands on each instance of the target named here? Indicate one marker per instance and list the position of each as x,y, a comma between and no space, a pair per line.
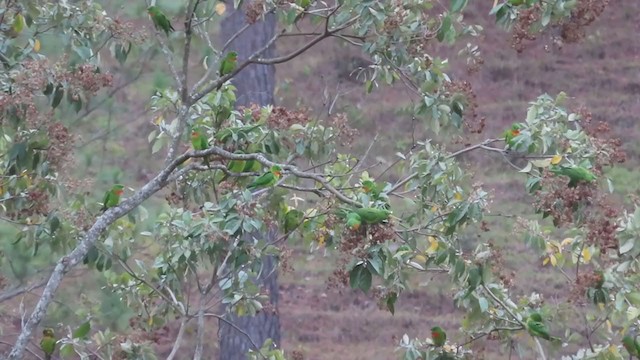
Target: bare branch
253,59
21,290
188,31
178,342
73,258
168,58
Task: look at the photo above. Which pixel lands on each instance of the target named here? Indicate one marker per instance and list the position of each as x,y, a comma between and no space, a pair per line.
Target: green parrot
199,142
537,328
112,197
575,174
353,221
48,343
438,335
267,179
632,345
228,64
160,20
510,133
292,220
372,215
370,187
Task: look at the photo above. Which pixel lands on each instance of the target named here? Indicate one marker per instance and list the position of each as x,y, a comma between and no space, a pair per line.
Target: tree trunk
255,84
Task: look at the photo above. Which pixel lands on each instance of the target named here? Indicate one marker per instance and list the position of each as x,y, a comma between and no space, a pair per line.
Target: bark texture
255,84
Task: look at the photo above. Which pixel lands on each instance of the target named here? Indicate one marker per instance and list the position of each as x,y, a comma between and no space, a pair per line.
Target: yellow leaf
457,196
543,163
220,8
434,208
555,160
18,23
586,255
36,45
566,242
546,261
321,240
608,325
158,120
150,321
553,259
420,259
433,245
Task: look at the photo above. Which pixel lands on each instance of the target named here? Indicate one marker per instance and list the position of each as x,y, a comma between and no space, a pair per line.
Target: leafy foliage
210,234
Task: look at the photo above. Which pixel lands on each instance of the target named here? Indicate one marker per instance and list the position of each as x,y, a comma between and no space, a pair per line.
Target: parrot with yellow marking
267,179
199,142
48,343
160,20
353,221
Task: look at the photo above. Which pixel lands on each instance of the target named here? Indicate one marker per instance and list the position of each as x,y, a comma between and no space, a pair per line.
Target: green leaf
57,96
444,28
82,331
66,350
360,277
484,304
392,297
54,224
458,5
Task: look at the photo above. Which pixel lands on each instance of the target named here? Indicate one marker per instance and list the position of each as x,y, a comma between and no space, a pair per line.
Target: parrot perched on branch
575,174
267,179
537,328
160,20
112,197
510,133
372,215
199,142
353,221
228,64
438,336
48,343
292,220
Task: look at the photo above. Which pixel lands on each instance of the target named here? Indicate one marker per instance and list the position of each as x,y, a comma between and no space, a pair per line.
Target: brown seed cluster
282,118
343,131
584,281
561,201
297,355
475,124
586,12
571,30
60,144
126,31
338,279
601,228
522,28
253,11
609,148
497,266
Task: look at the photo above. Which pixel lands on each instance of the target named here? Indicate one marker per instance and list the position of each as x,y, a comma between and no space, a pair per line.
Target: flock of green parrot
575,173
354,217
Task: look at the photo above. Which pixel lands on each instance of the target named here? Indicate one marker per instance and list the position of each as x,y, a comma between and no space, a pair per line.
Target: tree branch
73,258
253,59
188,32
178,342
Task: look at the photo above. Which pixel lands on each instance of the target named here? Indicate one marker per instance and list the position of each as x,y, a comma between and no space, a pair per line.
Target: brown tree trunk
255,84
